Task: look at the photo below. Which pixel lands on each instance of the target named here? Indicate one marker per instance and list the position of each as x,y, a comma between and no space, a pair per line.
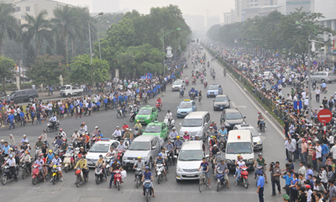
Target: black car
23,95
231,117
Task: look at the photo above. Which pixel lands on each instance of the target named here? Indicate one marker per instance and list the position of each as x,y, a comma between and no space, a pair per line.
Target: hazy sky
191,7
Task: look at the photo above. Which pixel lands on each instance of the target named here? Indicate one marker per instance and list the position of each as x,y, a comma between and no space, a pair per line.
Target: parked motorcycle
171,123
99,174
51,126
138,176
159,172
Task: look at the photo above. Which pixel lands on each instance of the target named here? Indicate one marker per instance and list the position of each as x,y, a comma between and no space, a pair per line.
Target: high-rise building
250,8
288,6
229,17
106,6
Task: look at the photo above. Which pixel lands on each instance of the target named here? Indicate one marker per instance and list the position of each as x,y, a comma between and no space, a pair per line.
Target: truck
68,90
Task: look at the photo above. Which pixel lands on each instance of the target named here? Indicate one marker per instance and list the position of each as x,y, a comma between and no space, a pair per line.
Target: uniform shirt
261,181
140,164
288,179
11,162
57,162
148,175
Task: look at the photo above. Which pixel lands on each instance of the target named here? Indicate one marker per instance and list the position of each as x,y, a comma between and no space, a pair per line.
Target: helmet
130,129
185,132
27,152
307,186
83,123
24,135
124,123
100,156
240,157
138,121
160,154
139,157
11,156
117,127
147,168
259,112
96,127
39,137
64,140
61,129
259,154
168,110
177,136
50,151
135,105
215,145
76,131
211,127
15,147
174,128
82,157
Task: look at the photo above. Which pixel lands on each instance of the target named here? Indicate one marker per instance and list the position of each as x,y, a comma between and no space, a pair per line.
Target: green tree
7,66
82,70
38,28
47,69
8,24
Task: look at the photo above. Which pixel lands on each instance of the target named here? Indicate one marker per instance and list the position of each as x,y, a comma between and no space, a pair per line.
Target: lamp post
92,78
308,65
163,46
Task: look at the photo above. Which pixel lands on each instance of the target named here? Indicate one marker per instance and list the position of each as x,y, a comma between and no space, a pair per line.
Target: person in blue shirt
223,131
98,105
260,185
105,103
72,109
325,152
22,118
6,148
11,121
288,178
206,169
147,175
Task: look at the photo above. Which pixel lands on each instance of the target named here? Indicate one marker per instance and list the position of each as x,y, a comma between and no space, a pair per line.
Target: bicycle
202,181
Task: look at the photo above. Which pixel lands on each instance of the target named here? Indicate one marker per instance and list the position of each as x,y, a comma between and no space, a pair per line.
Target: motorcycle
137,132
221,180
324,90
262,125
148,189
25,170
6,175
187,82
54,174
108,160
36,175
202,80
177,151
80,177
194,81
120,113
117,179
221,142
205,84
132,116
170,158
51,126
181,93
159,172
120,155
213,76
158,106
138,176
171,123
243,177
68,162
99,174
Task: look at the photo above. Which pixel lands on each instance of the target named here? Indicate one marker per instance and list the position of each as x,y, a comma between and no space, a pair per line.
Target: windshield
153,129
185,105
239,148
63,88
213,88
192,122
12,94
101,148
145,112
221,99
190,155
140,146
231,116
177,82
253,131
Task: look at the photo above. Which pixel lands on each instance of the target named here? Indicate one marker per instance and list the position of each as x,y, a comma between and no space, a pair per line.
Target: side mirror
207,156
244,117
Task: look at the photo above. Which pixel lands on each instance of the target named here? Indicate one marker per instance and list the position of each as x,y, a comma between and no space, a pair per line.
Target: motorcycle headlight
179,169
250,160
148,118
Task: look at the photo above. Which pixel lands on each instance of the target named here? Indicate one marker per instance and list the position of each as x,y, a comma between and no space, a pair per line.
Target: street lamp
163,45
92,78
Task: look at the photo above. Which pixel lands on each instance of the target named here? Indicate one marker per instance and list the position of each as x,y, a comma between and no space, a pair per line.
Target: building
229,17
34,7
106,6
288,6
245,9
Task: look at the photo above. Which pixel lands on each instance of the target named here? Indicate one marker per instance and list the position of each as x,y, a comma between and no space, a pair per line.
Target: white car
176,86
257,142
100,148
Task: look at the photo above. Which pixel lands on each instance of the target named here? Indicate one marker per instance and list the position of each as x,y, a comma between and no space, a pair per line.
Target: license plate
190,175
221,107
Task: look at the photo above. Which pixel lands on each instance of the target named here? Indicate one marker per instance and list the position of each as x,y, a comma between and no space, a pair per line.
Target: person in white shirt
58,162
117,133
318,150
333,151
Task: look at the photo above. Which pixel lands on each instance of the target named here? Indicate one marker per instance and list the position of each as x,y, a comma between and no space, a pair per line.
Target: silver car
322,77
221,102
177,85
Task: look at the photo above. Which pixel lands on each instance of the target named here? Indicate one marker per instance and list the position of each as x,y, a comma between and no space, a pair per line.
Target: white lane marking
324,116
236,106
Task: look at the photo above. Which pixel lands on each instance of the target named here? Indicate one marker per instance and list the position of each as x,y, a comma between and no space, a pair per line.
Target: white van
240,142
196,124
189,160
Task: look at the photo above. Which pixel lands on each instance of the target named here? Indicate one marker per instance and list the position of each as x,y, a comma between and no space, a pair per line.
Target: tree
8,24
47,69
38,28
82,70
7,66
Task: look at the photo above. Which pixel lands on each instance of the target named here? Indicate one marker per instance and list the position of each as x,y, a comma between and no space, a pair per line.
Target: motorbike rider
260,118
58,141
117,133
84,126
147,175
211,132
53,120
50,157
82,164
75,136
214,151
115,165
128,134
323,86
102,163
169,115
177,143
71,152
26,159
95,132
206,169
261,162
160,160
139,164
186,136
239,164
58,162
223,168
62,133
173,134
12,166
39,142
170,149
138,125
159,101
213,141
223,131
39,161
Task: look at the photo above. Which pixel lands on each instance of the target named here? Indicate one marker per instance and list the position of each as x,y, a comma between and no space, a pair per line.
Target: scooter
137,132
262,125
68,162
138,176
132,116
181,93
36,175
50,126
205,84
108,160
25,169
170,123
80,177
177,152
99,174
120,155
54,174
120,113
159,172
158,106
117,179
243,177
221,180
6,175
148,189
187,82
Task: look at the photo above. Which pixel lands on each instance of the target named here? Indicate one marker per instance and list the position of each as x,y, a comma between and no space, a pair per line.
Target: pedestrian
275,177
32,115
332,190
317,94
51,90
78,111
11,121
288,177
200,97
286,127
260,185
293,186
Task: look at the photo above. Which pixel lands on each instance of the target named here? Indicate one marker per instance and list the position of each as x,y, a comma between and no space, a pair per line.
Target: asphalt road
170,190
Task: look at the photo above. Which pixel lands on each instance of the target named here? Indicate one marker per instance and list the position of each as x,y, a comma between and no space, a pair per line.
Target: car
221,102
159,129
146,146
214,89
231,117
257,142
23,95
185,107
100,148
146,115
323,77
176,86
196,124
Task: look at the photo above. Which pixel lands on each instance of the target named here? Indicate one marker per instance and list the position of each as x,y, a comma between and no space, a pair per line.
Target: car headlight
258,142
179,169
148,118
250,160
